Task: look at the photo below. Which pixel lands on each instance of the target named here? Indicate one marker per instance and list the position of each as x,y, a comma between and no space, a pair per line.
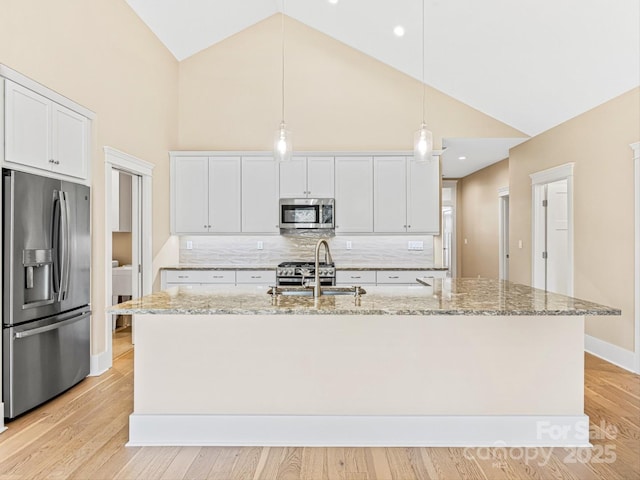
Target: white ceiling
531,64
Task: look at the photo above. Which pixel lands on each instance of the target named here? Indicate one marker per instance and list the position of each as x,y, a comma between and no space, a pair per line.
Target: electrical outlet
349,245
189,245
260,245
519,243
415,245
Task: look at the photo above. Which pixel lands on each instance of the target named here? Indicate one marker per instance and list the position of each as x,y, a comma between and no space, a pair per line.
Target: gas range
296,273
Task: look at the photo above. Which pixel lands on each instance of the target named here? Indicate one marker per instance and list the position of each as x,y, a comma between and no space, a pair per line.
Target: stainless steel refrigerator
46,263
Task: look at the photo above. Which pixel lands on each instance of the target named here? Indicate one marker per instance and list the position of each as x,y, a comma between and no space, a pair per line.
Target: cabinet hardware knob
394,276
209,226
409,226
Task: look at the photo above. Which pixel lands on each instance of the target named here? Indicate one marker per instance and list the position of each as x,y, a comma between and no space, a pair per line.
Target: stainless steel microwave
307,213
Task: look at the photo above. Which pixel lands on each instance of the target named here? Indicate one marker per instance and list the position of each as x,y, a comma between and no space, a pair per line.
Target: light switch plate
260,245
189,245
349,245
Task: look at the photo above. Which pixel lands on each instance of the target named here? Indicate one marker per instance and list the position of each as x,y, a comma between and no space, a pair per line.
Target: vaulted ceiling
531,64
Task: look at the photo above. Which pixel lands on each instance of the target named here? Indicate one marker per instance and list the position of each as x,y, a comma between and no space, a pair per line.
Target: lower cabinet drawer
355,277
266,277
200,276
394,277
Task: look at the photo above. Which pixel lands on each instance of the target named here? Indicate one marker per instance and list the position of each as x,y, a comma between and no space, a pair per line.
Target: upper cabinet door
390,195
190,178
69,142
260,194
293,178
27,127
354,194
43,134
320,177
423,197
224,194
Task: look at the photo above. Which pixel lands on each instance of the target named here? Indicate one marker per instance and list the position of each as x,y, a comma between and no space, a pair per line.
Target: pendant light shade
282,145
423,144
423,138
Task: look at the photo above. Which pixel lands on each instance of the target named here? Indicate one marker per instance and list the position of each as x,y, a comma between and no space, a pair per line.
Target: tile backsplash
375,251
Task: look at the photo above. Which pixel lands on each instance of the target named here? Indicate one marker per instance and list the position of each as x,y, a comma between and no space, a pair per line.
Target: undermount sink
308,291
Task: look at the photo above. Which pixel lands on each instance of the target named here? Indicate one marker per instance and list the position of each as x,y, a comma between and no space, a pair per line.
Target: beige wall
479,220
336,97
121,247
598,143
99,54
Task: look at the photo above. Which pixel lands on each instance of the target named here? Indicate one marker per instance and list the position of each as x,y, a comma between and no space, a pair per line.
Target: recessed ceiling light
398,31
462,157
333,2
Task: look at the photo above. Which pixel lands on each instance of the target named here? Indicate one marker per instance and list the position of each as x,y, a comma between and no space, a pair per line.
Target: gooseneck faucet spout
317,291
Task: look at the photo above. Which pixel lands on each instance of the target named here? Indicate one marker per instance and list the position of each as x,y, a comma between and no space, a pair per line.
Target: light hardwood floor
81,435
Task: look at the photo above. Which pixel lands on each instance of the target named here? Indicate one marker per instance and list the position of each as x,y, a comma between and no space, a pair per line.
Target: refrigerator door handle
64,246
53,326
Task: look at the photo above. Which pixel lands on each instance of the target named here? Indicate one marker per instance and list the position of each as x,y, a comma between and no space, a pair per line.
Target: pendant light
423,138
283,147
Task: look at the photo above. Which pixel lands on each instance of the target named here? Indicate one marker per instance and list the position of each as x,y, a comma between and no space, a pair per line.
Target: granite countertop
272,267
468,296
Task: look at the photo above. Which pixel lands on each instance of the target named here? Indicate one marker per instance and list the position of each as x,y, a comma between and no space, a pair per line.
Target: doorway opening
449,257
503,227
126,281
127,241
552,232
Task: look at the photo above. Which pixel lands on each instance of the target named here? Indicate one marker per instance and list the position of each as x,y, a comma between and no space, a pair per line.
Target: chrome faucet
317,291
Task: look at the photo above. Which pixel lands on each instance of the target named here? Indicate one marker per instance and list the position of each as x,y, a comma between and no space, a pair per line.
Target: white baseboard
611,353
358,431
100,363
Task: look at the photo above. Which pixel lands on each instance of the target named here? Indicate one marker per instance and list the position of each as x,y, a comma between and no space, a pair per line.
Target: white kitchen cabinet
398,277
173,278
354,194
256,277
355,277
390,195
43,134
190,191
307,177
423,197
260,195
406,196
206,194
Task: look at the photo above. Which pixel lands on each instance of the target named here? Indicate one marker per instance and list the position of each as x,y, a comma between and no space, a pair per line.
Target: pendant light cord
423,84
282,17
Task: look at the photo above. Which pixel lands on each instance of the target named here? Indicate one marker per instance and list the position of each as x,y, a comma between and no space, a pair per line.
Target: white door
354,194
190,191
320,177
293,178
557,261
224,194
260,193
504,237
390,194
552,256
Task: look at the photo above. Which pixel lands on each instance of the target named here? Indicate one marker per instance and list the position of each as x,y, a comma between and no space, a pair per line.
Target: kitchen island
454,362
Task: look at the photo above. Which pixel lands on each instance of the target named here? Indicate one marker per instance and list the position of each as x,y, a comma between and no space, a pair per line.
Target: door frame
503,231
538,182
636,161
115,159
